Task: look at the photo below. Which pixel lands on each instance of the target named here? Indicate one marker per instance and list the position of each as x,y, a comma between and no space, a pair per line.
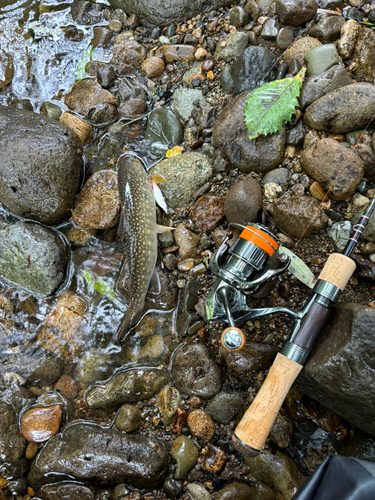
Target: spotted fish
137,227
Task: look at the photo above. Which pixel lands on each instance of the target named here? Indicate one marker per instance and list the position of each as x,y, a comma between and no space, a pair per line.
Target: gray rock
86,451
285,37
270,29
252,69
279,175
343,110
183,102
186,314
12,443
235,43
51,110
243,201
238,17
33,257
163,130
339,233
339,372
316,87
84,12
225,406
319,59
328,29
195,373
295,12
184,175
39,370
256,155
40,166
296,135
128,89
226,78
68,490
129,386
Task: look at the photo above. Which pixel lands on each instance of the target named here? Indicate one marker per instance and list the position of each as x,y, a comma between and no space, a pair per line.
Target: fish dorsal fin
155,286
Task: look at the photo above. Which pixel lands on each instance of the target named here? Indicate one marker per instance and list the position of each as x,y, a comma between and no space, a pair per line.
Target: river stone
364,55
253,68
128,89
183,102
86,94
68,490
184,175
235,43
328,29
33,257
296,214
334,166
339,233
343,110
195,373
320,59
225,406
86,451
84,12
242,491
255,155
317,86
40,424
339,372
295,12
153,13
254,356
299,48
187,316
128,418
185,454
129,386
176,53
12,443
278,176
128,52
349,34
243,201
38,182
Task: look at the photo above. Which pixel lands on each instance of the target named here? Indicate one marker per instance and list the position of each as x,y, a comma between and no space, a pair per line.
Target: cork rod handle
252,432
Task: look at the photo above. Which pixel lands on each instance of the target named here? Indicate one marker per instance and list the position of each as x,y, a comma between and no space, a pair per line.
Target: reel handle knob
233,339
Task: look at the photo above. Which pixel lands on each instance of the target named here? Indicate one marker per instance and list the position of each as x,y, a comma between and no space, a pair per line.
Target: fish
138,228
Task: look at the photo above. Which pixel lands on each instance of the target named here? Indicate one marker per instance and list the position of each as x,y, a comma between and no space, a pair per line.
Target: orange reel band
260,239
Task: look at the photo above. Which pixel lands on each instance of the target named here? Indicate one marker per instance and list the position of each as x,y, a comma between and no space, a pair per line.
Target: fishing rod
243,268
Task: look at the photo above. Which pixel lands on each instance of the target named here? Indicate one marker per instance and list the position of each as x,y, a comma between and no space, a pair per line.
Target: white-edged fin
163,229
155,286
297,267
159,198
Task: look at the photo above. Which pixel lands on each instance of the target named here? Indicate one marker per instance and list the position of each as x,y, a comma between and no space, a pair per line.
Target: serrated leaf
269,105
100,286
298,268
81,68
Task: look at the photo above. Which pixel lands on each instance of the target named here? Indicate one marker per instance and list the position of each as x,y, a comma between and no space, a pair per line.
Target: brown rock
40,424
187,242
242,491
207,212
173,53
86,94
213,459
153,66
128,52
31,450
336,168
254,356
328,29
98,204
299,48
295,12
364,55
132,108
201,425
78,125
79,236
297,214
243,201
349,34
66,385
129,418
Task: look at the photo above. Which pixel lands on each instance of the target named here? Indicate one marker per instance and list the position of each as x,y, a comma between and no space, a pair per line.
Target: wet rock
213,459
195,373
270,29
128,419
183,102
176,53
242,491
185,454
66,385
172,487
168,402
86,451
343,110
297,214
106,76
328,29
201,425
132,108
65,491
129,386
98,204
127,89
186,314
102,37
295,12
51,110
33,257
281,431
279,176
339,233
207,212
153,66
234,45
101,114
225,406
252,69
363,55
278,471
230,132
187,241
197,492
41,371
86,12
12,443
163,130
34,184
238,17
342,172
40,424
86,94
254,356
184,175
285,37
128,52
226,78
243,201
79,126
320,59
349,34
296,135
365,150
316,87
299,48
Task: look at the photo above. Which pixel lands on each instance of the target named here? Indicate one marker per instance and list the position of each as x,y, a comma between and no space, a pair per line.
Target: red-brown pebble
201,425
208,65
132,108
67,386
195,401
153,66
31,450
40,424
169,68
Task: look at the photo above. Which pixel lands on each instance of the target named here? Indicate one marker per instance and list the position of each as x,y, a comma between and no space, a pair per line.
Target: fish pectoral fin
163,229
155,286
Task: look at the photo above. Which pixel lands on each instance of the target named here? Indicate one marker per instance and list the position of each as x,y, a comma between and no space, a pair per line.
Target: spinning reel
242,269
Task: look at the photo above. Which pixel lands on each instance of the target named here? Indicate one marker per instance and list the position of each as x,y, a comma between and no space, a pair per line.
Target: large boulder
40,166
155,13
340,371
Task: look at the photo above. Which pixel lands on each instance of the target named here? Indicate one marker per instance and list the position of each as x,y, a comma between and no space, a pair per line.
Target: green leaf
81,68
100,286
269,105
297,267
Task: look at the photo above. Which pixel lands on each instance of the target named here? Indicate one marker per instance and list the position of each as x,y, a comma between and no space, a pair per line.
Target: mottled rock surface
364,55
12,443
66,491
316,87
253,357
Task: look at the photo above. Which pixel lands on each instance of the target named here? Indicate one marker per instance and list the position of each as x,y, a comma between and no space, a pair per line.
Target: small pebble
31,450
153,66
40,424
208,65
128,419
200,54
201,425
213,459
185,454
